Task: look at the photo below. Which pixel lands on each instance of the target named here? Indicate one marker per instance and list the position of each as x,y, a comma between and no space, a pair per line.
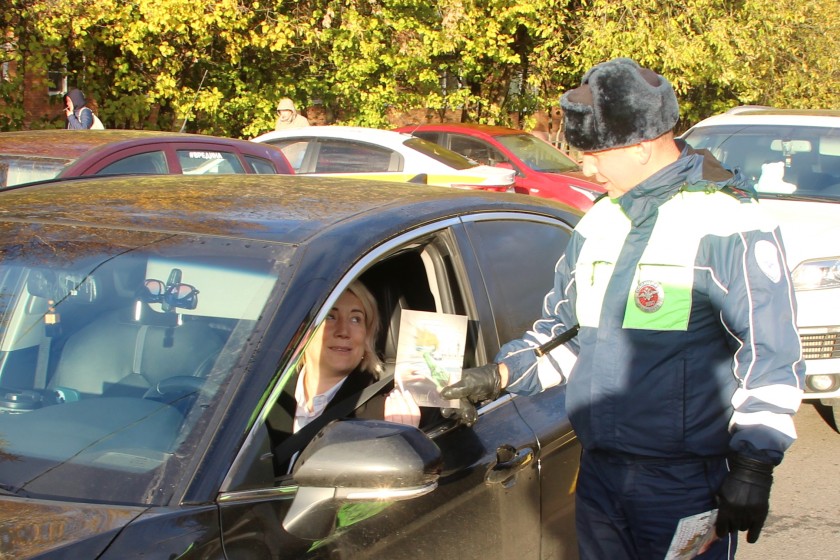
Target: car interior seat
400,283
132,348
118,356
397,283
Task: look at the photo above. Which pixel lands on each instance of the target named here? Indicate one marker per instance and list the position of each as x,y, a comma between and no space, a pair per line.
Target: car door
516,261
487,497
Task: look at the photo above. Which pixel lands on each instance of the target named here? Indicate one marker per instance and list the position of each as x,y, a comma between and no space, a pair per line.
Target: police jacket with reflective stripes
688,344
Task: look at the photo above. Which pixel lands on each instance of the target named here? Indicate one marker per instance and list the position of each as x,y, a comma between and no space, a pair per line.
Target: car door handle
509,461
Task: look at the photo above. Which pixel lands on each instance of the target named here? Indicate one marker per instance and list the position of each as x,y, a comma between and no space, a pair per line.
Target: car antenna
195,99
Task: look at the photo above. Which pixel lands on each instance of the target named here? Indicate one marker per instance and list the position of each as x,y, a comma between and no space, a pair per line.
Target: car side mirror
359,461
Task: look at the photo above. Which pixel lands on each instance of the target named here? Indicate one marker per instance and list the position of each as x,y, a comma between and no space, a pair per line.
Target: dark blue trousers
627,508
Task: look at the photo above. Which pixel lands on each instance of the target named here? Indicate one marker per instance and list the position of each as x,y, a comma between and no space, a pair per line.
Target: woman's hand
401,408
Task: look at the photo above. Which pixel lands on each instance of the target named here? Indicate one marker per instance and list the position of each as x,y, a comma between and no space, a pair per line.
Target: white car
371,153
792,159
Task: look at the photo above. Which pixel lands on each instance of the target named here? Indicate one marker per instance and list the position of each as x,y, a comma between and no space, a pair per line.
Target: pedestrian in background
687,369
288,117
78,115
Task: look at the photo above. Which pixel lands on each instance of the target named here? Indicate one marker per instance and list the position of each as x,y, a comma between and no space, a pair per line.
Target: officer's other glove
477,384
744,497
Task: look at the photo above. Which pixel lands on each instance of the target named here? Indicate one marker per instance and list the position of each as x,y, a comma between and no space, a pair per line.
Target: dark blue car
149,326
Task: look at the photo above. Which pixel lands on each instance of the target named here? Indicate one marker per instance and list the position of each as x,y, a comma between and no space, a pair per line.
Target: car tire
835,410
834,405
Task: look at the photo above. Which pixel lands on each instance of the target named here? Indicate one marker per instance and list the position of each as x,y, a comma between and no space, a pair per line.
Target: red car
40,155
541,169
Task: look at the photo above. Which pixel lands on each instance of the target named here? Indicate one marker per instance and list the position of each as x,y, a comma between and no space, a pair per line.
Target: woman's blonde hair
370,361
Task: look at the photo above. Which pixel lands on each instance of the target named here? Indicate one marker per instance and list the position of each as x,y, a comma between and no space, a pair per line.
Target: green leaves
365,60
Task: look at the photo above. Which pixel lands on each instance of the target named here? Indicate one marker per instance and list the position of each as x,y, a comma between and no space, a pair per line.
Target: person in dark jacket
79,117
687,368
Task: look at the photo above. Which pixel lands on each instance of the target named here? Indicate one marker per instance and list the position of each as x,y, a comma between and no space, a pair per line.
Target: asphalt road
804,520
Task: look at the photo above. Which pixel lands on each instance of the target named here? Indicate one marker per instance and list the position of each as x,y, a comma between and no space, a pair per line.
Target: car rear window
201,162
261,166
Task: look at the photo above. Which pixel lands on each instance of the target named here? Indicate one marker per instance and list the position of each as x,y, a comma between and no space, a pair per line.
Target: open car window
419,276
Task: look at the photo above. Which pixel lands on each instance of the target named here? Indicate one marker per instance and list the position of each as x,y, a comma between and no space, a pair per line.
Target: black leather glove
477,384
465,414
744,497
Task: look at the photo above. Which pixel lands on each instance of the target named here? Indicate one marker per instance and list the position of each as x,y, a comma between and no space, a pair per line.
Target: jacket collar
693,170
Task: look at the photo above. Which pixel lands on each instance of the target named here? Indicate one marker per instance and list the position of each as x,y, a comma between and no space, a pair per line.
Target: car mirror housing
358,461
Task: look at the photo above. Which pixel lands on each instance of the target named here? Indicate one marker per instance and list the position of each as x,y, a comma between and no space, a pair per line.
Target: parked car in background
147,347
541,169
792,159
371,153
39,155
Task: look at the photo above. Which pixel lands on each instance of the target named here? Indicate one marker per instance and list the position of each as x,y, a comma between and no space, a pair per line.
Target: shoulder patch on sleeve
767,257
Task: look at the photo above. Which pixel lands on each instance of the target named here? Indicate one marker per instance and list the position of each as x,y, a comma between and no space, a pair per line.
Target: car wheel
835,410
833,406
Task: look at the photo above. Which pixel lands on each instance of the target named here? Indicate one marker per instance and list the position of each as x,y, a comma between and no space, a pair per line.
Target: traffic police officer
687,368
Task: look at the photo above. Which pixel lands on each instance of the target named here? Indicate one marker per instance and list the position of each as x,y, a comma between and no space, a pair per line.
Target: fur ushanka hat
618,104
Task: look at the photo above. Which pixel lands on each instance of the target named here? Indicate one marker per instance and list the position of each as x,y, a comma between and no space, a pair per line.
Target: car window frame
481,274
102,169
276,494
85,166
91,164
425,234
252,159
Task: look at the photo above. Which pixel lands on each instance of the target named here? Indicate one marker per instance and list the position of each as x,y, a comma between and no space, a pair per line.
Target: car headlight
817,274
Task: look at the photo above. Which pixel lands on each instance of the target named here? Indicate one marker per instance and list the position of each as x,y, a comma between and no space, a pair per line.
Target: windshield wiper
807,197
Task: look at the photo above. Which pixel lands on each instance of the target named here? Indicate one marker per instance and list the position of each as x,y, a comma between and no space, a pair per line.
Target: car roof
755,115
491,130
375,135
283,208
71,144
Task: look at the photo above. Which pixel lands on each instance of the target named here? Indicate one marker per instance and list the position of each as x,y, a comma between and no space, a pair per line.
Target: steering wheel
175,388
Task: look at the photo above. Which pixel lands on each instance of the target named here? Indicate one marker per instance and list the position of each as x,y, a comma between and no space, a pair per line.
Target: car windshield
114,352
538,155
441,154
779,161
17,170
